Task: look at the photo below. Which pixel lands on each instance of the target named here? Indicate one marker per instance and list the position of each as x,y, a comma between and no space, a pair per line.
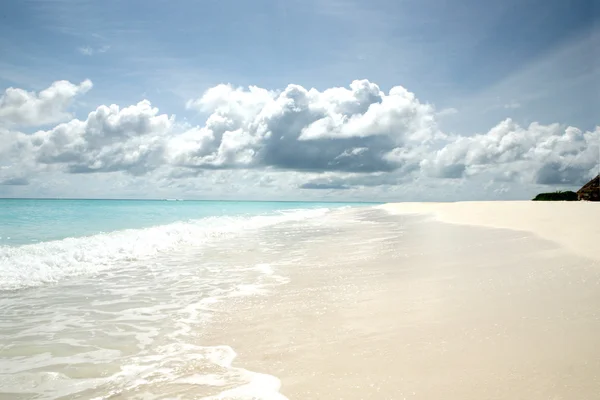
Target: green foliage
557,196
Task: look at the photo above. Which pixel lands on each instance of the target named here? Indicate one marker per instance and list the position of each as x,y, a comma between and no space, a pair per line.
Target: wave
48,262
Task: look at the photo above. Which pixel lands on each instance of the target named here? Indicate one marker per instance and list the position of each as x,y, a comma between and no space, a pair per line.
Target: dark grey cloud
183,173
348,181
17,181
324,186
556,174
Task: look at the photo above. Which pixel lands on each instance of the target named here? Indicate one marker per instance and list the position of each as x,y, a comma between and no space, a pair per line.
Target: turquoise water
47,241
27,221
104,299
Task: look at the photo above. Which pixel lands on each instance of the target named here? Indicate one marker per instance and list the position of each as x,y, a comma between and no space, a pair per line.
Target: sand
399,305
573,224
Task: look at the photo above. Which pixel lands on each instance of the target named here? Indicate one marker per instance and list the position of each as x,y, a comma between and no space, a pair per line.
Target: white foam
243,290
261,386
257,386
264,268
40,263
168,367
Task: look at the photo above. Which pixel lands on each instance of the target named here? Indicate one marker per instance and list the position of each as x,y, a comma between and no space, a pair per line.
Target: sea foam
47,262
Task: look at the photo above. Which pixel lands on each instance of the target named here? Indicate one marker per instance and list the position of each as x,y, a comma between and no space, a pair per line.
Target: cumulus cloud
351,129
20,107
131,139
338,138
10,176
544,154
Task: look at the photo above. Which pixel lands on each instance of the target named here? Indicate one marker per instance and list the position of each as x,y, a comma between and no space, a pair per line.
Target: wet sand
407,306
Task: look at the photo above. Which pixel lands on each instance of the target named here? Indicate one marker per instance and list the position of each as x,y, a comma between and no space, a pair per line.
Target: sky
379,100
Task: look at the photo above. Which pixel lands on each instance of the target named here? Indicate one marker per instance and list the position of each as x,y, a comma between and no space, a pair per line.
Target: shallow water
122,314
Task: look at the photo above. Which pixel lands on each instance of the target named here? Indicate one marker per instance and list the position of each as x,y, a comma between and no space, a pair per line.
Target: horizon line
168,199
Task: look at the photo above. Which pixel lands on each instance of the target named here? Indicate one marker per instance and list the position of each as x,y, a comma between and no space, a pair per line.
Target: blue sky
530,60
445,51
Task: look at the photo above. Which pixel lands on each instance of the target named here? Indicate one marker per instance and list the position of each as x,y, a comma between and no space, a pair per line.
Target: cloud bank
338,138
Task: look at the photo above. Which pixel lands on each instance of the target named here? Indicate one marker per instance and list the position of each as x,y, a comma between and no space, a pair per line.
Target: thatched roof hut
590,191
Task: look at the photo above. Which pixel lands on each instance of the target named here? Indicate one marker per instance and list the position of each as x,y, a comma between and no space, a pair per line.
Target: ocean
109,298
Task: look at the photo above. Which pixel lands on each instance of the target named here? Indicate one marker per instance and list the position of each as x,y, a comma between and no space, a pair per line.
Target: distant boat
173,199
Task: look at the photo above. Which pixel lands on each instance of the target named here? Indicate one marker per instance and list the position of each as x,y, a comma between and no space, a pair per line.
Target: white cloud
86,50
512,105
131,139
446,112
90,51
300,129
544,154
20,107
365,111
294,139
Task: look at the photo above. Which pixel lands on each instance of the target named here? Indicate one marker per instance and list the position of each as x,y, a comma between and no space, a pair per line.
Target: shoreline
352,303
406,306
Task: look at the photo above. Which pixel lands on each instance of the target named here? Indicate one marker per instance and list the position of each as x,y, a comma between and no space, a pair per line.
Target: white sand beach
395,304
574,225
192,200
455,301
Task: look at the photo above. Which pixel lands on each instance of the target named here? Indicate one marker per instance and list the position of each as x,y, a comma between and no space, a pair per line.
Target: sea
109,299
